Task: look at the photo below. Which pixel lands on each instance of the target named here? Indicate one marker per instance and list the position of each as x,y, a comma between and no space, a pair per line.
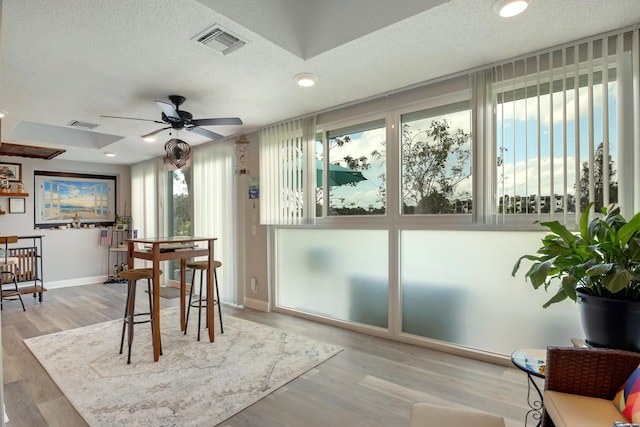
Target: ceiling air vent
82,125
219,39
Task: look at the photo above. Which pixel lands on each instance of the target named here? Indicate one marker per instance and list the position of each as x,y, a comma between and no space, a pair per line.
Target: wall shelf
14,194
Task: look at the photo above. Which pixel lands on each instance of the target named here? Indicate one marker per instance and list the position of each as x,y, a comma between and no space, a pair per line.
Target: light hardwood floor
372,382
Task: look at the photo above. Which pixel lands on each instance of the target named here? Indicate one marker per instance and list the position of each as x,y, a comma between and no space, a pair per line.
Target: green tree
434,162
181,202
598,182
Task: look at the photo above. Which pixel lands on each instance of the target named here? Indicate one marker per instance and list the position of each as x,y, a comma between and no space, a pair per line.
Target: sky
74,193
523,155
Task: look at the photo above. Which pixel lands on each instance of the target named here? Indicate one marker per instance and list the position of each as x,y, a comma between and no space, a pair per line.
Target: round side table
533,361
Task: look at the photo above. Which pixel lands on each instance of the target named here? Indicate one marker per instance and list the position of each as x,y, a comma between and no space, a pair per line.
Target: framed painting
11,171
60,198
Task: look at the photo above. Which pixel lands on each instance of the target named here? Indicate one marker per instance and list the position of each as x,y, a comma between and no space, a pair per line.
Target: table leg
210,291
156,307
183,291
534,401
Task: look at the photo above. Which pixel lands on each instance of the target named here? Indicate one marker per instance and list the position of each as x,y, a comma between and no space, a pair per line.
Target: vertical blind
215,209
288,172
547,124
147,198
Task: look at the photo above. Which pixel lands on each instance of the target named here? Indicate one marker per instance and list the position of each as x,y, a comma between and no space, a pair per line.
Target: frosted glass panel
457,286
341,274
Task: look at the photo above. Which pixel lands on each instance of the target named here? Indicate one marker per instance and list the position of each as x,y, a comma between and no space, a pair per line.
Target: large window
556,150
436,166
355,182
539,138
563,135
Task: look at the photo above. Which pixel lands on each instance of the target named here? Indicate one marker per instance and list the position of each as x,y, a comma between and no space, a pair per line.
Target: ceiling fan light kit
509,8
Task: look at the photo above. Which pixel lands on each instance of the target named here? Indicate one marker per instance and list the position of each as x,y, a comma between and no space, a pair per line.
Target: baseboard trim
256,304
75,282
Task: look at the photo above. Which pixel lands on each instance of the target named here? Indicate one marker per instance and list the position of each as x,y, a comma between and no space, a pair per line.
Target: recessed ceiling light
110,154
306,79
149,138
509,8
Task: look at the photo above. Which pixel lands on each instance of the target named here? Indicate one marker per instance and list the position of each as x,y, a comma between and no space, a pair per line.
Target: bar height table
157,249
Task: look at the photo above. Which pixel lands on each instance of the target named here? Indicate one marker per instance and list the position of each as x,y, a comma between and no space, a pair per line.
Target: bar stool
6,268
132,276
203,266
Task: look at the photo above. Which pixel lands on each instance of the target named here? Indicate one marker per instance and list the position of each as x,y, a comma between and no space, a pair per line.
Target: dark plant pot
610,323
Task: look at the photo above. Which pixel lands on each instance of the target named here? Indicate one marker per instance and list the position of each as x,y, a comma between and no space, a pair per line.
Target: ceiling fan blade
155,132
204,132
169,111
133,118
221,121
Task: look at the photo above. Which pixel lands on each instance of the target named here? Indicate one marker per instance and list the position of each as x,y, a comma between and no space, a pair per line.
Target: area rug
193,384
169,292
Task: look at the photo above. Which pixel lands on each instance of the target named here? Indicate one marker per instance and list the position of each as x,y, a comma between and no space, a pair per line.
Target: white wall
70,257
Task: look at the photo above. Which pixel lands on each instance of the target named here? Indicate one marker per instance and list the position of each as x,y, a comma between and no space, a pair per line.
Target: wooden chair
202,266
9,290
132,276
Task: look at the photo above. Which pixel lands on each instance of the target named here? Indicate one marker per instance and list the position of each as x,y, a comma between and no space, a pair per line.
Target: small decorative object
76,221
242,155
5,186
178,152
19,187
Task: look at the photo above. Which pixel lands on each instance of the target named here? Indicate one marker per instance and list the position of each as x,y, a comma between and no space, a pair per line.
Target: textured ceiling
70,60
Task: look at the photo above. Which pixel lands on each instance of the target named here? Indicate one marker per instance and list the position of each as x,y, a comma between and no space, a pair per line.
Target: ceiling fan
178,119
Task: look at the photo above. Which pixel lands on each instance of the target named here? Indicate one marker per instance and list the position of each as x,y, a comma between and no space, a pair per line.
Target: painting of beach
62,199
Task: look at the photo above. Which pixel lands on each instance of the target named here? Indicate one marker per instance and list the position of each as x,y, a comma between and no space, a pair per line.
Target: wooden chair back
5,240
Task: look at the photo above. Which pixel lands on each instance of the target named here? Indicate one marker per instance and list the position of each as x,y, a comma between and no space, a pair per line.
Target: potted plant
599,267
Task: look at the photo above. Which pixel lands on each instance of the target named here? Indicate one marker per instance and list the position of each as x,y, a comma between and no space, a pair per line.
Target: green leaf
618,281
569,286
584,223
560,296
560,230
599,269
538,273
630,229
516,267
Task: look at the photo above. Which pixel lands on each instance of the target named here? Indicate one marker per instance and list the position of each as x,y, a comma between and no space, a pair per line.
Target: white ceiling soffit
59,135
307,28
